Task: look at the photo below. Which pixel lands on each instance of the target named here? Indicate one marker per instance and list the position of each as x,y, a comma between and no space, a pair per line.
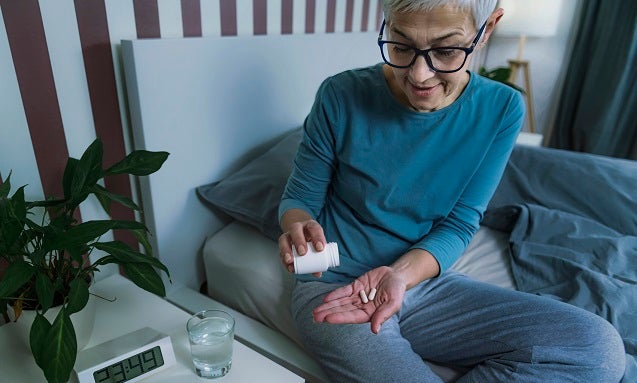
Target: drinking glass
211,334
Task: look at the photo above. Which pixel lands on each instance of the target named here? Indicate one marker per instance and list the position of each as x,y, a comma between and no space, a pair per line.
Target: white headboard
213,103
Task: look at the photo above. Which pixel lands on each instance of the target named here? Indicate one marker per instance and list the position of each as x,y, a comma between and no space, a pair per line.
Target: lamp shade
531,18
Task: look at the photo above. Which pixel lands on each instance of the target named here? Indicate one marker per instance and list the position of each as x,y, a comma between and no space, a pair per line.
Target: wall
61,81
547,58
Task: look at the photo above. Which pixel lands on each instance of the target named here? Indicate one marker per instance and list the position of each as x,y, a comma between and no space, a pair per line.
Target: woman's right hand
297,233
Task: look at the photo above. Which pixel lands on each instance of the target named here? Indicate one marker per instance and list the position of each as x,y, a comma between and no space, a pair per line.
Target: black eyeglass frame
425,52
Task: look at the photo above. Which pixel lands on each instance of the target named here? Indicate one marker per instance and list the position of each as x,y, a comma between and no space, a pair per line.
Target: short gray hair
479,9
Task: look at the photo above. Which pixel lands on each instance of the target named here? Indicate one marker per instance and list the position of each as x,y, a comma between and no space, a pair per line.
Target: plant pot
82,322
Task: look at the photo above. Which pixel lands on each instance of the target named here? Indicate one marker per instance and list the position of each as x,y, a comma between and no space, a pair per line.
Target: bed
229,111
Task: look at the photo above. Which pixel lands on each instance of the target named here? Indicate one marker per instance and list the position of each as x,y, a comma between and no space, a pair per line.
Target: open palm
344,305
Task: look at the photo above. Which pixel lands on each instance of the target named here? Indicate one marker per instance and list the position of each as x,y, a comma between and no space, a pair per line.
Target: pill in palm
372,294
363,296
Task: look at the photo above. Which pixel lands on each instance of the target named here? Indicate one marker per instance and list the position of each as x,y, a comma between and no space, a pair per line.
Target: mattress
243,271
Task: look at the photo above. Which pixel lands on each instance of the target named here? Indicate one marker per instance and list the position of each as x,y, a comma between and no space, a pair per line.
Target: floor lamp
522,19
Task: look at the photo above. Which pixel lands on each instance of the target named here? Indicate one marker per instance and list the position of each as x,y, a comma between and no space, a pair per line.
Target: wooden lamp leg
515,67
529,97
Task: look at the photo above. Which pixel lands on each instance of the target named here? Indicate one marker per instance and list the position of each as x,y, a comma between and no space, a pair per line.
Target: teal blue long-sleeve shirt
382,179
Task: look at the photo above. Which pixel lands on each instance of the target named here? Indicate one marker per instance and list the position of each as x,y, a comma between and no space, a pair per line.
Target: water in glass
211,347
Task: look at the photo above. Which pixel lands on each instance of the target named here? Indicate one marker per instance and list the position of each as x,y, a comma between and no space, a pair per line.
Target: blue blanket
579,261
573,224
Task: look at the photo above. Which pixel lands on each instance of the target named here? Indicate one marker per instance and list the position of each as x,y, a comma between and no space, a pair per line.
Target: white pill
363,296
372,294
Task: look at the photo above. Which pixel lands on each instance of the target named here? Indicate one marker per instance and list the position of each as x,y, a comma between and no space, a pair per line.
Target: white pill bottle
316,261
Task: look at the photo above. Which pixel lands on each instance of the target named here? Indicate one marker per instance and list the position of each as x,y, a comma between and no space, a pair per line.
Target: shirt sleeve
314,164
448,239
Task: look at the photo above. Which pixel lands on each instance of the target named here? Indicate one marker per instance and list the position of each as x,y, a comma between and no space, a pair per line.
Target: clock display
131,367
128,358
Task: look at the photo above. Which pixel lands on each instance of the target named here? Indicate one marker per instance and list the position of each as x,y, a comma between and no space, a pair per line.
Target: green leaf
87,232
59,349
15,276
45,290
144,276
77,253
124,254
13,214
105,197
104,201
9,235
59,224
67,178
129,225
500,74
5,186
78,295
139,163
142,237
37,337
77,235
88,170
4,306
47,204
104,260
18,205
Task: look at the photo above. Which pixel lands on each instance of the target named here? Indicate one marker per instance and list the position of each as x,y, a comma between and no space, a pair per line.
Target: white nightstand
134,309
529,139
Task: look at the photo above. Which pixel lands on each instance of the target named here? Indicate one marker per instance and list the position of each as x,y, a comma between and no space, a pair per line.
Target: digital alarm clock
126,359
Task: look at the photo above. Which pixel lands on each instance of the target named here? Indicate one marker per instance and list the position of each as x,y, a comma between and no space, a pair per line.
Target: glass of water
211,333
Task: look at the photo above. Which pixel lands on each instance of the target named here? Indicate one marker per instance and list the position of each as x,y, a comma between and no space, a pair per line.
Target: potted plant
48,261
500,74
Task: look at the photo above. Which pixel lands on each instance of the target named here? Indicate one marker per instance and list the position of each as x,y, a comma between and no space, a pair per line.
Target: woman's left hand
345,305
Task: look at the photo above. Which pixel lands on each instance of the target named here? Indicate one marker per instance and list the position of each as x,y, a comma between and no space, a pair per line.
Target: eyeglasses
439,59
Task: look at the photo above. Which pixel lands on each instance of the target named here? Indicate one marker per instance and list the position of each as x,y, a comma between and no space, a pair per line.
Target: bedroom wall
547,58
61,81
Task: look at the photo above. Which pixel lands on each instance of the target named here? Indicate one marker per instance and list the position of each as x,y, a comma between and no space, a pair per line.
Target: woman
397,165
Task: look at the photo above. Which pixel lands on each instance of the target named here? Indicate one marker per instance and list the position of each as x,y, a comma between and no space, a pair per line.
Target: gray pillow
253,193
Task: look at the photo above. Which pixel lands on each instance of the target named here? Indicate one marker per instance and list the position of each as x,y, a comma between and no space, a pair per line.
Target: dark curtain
598,105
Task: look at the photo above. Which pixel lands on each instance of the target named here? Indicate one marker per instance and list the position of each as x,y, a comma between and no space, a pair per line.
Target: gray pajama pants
499,334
